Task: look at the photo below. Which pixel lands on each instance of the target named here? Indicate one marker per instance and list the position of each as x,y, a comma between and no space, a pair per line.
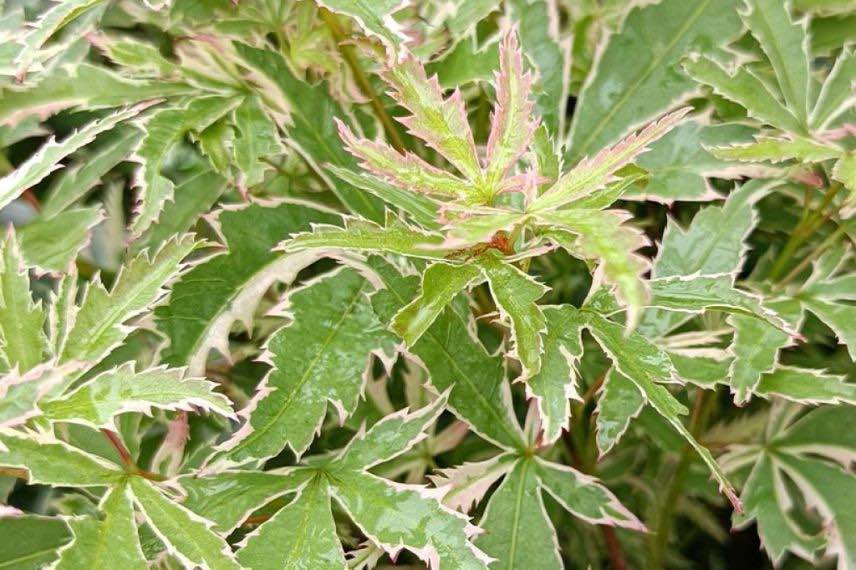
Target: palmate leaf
208,299
227,498
111,542
756,346
807,386
120,390
186,535
422,525
75,181
441,282
97,327
48,158
699,293
537,26
778,150
635,77
23,343
321,357
512,127
805,452
834,97
86,84
454,359
301,534
518,530
405,171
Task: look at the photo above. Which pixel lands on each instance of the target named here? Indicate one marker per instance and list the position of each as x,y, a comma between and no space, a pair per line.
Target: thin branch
350,57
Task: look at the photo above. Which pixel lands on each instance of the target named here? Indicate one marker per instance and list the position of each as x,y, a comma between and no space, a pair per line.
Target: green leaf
121,390
636,77
807,386
52,244
48,157
98,325
258,138
406,170
229,497
75,181
804,451
375,18
111,542
310,111
300,535
186,535
619,403
556,383
516,294
397,515
389,438
756,347
86,85
536,28
583,496
777,150
440,122
31,542
747,90
844,171
321,357
361,235
679,164
591,174
518,530
163,130
839,317
50,461
424,210
714,241
19,393
834,97
604,238
194,196
645,365
49,23
786,45
23,343
512,126
441,283
699,293
208,299
453,359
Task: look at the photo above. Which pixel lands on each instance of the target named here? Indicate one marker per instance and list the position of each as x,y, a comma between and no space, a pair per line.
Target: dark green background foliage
509,284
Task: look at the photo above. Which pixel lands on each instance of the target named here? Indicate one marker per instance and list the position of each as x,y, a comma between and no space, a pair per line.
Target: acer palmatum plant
465,284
